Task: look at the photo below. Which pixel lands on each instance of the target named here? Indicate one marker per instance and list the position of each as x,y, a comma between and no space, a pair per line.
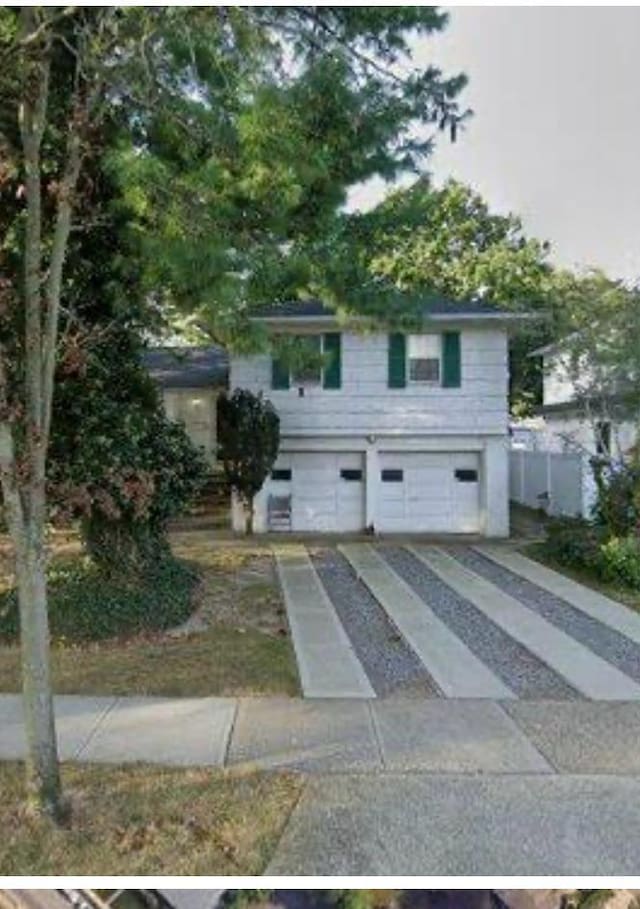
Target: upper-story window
424,353
315,361
309,372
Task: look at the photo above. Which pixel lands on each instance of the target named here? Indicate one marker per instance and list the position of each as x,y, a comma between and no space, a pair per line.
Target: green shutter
397,361
279,372
451,359
332,377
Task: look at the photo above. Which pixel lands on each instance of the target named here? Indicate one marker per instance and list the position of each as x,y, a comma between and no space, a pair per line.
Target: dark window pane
427,370
466,476
281,473
390,475
351,474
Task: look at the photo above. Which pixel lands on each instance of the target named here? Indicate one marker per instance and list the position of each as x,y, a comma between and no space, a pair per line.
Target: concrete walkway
333,735
454,668
410,786
582,668
327,663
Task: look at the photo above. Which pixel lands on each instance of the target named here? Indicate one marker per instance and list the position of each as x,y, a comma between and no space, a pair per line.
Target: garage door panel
429,498
321,499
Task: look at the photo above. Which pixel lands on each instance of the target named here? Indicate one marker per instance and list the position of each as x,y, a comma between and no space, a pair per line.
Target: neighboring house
190,380
566,425
397,433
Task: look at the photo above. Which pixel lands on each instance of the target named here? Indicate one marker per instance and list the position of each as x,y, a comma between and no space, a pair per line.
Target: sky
555,135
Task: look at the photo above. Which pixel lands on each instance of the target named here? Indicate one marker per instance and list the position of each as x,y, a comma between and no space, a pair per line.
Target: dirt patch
239,585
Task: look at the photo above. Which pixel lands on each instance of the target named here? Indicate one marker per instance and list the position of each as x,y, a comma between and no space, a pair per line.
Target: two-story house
396,433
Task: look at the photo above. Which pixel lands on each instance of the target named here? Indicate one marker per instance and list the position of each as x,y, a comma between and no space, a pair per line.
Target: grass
221,661
148,821
618,592
238,645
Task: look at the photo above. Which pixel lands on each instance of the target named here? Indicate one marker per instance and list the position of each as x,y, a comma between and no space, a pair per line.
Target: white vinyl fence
559,483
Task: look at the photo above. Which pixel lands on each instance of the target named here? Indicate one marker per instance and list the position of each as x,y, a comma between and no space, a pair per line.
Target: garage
326,490
428,492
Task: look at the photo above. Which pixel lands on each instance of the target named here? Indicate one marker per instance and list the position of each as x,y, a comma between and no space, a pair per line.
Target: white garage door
429,492
326,488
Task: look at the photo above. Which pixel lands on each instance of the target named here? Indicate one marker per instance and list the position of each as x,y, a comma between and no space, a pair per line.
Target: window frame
301,382
411,338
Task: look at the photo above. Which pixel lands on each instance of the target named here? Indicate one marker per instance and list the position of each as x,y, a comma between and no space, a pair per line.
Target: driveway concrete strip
450,663
327,662
439,824
587,672
448,736
177,731
311,735
77,718
594,604
584,737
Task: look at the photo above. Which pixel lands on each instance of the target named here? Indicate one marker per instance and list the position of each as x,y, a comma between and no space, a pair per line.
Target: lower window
391,475
281,473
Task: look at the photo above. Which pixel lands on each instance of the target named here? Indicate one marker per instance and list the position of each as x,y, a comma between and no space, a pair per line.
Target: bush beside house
608,545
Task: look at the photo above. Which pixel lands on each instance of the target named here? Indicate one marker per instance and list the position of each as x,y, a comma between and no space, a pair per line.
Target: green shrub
87,605
573,542
619,561
617,507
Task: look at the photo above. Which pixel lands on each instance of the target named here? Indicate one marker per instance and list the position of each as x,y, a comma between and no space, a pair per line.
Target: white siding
565,432
365,403
196,409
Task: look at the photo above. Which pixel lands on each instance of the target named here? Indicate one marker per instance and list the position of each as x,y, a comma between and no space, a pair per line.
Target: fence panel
550,480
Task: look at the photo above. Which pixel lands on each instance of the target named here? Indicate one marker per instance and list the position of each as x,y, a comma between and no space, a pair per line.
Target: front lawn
232,636
540,553
221,661
148,821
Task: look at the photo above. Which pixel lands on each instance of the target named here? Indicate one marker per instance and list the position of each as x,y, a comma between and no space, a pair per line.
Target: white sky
555,135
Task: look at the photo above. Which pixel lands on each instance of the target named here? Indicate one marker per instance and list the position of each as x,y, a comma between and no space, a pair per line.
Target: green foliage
573,542
248,442
87,605
445,240
619,561
235,199
590,899
116,461
617,507
353,899
600,330
580,544
240,899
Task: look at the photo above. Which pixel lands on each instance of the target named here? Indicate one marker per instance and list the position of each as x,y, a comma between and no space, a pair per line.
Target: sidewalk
342,736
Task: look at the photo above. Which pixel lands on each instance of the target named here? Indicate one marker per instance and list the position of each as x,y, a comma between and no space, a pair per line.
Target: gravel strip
598,637
525,674
393,668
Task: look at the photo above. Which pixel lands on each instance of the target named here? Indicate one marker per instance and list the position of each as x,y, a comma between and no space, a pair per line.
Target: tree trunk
250,511
43,777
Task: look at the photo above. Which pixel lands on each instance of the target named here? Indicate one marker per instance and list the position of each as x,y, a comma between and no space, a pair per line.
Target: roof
438,306
187,367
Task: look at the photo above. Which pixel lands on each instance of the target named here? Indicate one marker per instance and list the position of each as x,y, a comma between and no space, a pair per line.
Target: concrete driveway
452,621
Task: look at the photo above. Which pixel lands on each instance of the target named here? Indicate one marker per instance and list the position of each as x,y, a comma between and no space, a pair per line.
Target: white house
567,426
190,380
396,433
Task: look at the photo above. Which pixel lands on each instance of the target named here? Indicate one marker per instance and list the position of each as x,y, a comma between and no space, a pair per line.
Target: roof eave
435,317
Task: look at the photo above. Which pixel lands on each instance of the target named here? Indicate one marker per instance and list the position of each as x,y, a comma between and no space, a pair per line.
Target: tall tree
446,240
599,344
241,129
